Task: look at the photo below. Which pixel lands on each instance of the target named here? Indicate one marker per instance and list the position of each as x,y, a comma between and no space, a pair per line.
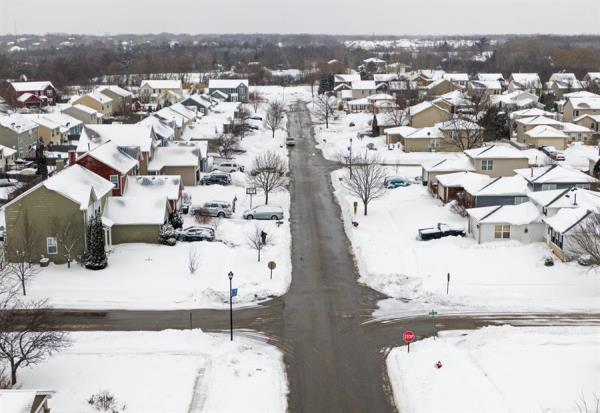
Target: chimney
72,157
575,198
60,164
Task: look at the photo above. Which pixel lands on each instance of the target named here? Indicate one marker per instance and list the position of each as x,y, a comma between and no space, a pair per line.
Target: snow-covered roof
359,102
522,214
400,130
161,128
97,96
182,110
456,77
17,123
581,94
519,98
20,400
585,103
115,89
420,107
121,134
25,96
78,184
363,85
226,83
470,181
431,132
449,165
431,74
380,96
539,120
545,131
109,154
174,156
495,152
486,84
490,76
136,210
373,60
162,84
566,218
504,186
31,86
567,198
527,79
458,124
554,174
385,77
573,128
530,113
342,77
168,186
6,151
593,117
86,109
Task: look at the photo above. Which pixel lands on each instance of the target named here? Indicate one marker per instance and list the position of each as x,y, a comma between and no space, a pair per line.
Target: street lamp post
230,276
350,158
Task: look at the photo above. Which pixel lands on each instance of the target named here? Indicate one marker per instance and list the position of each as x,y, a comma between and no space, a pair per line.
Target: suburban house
550,177
365,88
426,139
48,130
7,158
515,100
578,133
451,187
529,82
430,170
522,222
545,135
523,125
121,98
155,186
18,133
59,209
484,88
111,163
591,122
504,190
236,90
455,102
25,401
397,133
459,133
492,77
29,100
137,141
150,90
458,79
202,103
427,114
177,116
439,87
85,114
164,130
97,101
346,79
495,160
592,81
135,218
182,160
45,91
576,107
561,83
374,64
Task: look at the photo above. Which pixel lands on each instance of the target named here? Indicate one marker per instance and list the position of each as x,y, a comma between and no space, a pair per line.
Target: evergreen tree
95,255
175,219
375,126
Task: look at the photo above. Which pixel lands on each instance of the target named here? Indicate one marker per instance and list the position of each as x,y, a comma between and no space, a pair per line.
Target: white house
521,222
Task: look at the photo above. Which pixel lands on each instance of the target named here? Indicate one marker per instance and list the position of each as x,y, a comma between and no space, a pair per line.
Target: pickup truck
439,231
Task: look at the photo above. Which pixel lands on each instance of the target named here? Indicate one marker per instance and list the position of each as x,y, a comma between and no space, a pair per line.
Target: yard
499,369
163,372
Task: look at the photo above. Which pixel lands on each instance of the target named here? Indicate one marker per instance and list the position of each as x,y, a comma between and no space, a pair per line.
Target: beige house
150,90
496,161
562,83
430,170
121,98
178,160
529,82
53,215
545,135
97,101
427,114
48,130
523,125
396,134
440,87
135,218
427,139
591,122
576,107
85,114
578,133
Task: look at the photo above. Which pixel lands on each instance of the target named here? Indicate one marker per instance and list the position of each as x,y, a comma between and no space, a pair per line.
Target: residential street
335,358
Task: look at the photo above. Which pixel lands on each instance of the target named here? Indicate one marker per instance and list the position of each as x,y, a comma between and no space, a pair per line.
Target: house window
49,92
548,187
434,143
521,200
115,180
502,231
51,245
487,164
575,113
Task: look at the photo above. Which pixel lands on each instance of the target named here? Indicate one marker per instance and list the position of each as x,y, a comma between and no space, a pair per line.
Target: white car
264,212
228,166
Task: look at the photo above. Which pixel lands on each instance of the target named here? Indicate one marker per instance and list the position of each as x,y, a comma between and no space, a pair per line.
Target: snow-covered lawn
498,369
163,372
496,276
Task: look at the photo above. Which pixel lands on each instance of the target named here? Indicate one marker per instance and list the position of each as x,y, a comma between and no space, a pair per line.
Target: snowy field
498,370
497,276
147,276
164,372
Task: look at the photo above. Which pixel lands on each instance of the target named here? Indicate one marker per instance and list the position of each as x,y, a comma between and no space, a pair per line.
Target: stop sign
408,336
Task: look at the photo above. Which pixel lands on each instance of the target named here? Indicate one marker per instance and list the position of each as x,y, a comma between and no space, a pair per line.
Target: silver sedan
264,212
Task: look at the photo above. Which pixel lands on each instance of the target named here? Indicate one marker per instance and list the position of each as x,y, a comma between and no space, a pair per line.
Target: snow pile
498,369
167,371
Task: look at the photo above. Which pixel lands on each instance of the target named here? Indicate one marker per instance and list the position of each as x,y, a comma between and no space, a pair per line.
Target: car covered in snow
216,177
264,212
392,182
196,233
439,231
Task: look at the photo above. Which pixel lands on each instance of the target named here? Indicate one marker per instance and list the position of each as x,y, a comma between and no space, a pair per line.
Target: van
228,166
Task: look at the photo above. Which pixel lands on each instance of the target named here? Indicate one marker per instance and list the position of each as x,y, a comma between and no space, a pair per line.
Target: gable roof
115,89
227,83
174,156
109,154
154,185
449,165
470,181
585,102
135,210
504,186
522,214
423,106
545,131
97,96
490,76
162,84
31,86
495,152
554,174
17,123
121,134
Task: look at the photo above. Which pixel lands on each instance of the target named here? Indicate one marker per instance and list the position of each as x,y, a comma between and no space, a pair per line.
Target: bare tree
193,259
274,116
105,401
268,172
259,239
68,237
21,252
242,122
396,116
593,406
463,133
256,99
23,341
586,239
365,181
324,108
227,145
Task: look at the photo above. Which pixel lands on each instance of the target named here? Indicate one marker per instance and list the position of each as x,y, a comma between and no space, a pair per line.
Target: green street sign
432,313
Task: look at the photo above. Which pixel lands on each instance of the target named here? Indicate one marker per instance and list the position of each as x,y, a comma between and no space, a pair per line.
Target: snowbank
167,371
498,369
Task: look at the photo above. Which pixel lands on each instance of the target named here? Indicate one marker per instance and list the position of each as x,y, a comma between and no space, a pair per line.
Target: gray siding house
18,133
235,89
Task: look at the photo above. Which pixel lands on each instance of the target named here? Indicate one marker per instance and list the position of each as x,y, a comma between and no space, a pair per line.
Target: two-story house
44,91
236,90
18,133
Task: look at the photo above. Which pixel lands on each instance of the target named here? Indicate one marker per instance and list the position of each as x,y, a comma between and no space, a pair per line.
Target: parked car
196,233
264,212
228,166
363,133
290,141
255,172
217,177
439,231
219,209
392,182
553,153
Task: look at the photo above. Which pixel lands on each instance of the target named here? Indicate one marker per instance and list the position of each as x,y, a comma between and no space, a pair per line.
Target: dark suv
216,178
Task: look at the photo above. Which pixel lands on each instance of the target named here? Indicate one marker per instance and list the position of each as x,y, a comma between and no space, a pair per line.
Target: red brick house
45,91
111,163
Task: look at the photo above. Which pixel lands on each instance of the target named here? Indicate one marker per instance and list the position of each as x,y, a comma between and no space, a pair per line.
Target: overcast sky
302,16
